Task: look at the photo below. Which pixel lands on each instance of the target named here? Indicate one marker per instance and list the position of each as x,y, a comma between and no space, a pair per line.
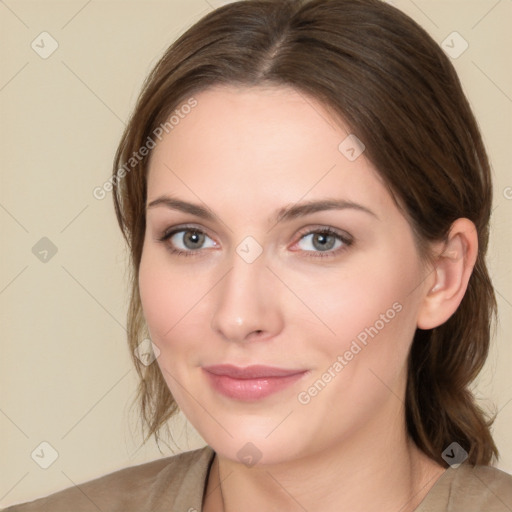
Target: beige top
177,484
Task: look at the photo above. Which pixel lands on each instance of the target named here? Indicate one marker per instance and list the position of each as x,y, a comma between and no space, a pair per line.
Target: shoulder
470,489
169,483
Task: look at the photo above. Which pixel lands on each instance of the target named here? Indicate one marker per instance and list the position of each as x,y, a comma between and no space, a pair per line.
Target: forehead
260,145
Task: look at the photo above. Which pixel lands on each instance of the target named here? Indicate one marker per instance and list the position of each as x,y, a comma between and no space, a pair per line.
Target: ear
449,279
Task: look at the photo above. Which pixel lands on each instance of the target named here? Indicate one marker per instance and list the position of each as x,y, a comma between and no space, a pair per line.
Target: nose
247,305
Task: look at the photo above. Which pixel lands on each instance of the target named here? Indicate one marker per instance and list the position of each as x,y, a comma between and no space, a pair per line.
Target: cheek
164,296
373,301
167,298
175,302
372,311
156,302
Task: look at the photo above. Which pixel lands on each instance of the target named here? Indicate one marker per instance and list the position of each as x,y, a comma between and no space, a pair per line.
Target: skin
244,154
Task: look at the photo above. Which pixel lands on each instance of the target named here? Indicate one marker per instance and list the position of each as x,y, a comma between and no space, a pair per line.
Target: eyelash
346,240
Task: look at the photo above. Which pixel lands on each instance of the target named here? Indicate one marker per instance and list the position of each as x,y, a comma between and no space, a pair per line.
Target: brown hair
381,73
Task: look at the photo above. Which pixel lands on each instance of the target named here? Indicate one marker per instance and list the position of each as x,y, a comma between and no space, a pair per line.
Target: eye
187,240
324,242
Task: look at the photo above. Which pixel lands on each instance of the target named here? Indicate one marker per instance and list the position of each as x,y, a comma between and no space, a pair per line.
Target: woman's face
245,187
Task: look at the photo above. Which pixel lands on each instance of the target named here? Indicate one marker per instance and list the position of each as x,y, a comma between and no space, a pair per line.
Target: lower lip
251,389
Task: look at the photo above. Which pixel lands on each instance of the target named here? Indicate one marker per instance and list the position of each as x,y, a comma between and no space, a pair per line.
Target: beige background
65,372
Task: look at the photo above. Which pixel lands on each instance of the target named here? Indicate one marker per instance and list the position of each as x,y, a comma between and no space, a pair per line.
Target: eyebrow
287,213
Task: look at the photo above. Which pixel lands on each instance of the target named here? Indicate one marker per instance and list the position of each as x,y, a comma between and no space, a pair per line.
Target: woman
306,198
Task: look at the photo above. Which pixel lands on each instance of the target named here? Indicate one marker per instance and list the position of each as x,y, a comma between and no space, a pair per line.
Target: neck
385,472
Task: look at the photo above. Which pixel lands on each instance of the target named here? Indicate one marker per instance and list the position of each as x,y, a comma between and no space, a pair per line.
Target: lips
252,382
250,372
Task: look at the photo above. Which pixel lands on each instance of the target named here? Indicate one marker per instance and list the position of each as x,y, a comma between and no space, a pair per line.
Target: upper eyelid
186,227
302,231
323,227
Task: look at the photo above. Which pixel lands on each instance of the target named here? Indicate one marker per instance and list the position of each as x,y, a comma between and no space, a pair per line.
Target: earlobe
451,273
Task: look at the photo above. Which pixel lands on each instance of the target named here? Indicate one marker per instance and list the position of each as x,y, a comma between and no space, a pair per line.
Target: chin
256,453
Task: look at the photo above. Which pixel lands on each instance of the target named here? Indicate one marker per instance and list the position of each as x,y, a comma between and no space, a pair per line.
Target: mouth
252,382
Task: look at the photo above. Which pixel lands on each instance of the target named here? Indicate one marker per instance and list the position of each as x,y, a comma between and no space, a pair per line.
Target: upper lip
250,372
